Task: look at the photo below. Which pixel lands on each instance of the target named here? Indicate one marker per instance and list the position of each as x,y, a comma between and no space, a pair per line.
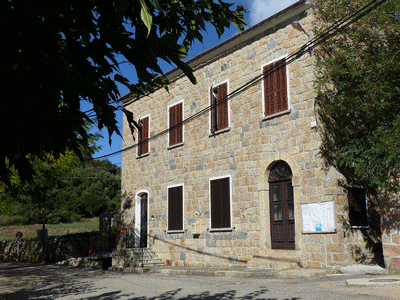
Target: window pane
290,211
277,212
276,193
289,189
357,206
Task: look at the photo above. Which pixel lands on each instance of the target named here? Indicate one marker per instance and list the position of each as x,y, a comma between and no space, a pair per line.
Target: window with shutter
275,88
220,203
175,124
358,214
175,208
219,116
143,136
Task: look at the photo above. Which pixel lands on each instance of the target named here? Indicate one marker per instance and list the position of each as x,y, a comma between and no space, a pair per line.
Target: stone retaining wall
57,248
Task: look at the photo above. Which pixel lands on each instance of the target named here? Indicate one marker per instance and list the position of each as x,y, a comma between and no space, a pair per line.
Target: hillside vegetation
62,191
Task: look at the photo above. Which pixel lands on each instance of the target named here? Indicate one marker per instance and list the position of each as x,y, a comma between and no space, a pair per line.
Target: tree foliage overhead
358,86
59,53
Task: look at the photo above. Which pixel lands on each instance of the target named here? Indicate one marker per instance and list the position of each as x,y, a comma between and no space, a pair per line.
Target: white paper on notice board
318,217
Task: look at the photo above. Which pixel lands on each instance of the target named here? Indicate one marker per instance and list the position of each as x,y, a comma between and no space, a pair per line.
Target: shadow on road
25,281
171,295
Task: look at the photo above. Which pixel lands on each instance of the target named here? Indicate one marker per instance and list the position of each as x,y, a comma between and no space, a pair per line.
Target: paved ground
24,281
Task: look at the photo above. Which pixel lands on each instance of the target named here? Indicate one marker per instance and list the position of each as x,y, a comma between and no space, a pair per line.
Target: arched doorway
141,219
281,207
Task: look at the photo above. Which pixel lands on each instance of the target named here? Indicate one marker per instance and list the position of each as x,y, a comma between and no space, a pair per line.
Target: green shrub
13,220
94,205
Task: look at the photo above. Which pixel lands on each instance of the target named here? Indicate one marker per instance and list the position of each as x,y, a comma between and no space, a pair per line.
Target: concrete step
269,262
135,260
155,262
131,269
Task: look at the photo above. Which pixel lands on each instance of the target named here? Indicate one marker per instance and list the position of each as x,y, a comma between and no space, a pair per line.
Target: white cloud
262,9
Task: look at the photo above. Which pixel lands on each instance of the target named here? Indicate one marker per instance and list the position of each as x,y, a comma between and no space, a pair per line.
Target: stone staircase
271,262
134,260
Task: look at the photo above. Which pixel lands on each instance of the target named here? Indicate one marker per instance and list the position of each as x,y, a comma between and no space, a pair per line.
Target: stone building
241,182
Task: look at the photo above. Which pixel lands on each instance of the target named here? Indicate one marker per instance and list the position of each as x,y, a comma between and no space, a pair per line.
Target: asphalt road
24,281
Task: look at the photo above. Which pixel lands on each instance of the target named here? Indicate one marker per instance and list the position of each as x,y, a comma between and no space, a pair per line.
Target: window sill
275,115
176,145
143,155
221,229
175,231
219,131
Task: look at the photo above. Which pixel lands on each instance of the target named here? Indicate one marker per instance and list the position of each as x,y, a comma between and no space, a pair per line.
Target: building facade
221,175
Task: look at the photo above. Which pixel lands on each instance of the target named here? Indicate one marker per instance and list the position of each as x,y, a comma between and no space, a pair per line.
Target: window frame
148,139
183,208
366,206
211,110
169,127
263,104
216,229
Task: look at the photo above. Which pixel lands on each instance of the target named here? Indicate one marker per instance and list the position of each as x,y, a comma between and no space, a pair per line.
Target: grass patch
30,231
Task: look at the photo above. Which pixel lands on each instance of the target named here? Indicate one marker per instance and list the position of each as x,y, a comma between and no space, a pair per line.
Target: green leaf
146,16
121,79
131,121
156,4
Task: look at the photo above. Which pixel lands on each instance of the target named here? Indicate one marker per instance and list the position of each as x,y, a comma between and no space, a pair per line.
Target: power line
334,29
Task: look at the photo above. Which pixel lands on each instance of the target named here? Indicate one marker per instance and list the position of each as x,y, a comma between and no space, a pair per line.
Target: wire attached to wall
333,30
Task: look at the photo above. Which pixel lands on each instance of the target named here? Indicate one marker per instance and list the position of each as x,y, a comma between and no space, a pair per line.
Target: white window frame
264,117
183,126
230,204
229,109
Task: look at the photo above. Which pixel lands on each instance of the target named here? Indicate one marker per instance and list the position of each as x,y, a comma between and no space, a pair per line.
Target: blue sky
258,11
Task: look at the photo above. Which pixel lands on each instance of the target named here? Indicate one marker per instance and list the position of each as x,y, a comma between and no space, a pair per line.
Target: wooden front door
143,221
281,207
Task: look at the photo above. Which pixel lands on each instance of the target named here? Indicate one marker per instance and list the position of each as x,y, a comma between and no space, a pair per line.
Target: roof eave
234,41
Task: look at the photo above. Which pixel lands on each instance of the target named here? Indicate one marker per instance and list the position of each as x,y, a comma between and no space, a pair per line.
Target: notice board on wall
318,217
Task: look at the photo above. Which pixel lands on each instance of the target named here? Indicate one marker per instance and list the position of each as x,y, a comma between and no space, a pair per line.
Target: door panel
282,215
143,221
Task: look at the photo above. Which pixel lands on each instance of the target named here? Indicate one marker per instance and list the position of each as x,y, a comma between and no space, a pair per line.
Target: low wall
56,248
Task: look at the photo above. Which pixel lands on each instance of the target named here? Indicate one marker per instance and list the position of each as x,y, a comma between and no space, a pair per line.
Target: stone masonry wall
245,153
57,248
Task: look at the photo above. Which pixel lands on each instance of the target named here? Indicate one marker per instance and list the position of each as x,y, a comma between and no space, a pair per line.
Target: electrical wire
334,29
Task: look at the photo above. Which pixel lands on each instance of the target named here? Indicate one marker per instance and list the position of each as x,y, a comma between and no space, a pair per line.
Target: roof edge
235,40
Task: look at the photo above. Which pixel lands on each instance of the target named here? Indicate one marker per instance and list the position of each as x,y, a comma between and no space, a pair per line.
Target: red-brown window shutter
222,107
175,208
275,87
143,146
223,121
220,203
175,124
